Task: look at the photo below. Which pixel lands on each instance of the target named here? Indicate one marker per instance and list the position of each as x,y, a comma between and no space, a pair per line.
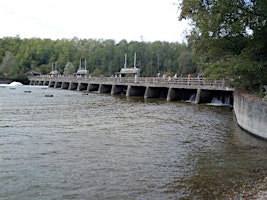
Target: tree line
103,57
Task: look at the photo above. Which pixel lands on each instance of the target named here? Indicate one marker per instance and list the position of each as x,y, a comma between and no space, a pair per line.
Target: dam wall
195,91
251,113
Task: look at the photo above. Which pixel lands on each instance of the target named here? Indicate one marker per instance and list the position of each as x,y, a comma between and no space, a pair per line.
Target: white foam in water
15,84
216,102
191,99
227,100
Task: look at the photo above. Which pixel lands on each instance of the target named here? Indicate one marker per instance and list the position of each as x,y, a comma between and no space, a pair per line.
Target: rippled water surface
77,146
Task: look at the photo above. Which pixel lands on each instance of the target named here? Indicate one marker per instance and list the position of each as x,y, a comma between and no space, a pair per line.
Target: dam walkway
179,89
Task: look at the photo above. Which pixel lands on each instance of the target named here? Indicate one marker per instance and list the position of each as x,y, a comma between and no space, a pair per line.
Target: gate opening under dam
180,89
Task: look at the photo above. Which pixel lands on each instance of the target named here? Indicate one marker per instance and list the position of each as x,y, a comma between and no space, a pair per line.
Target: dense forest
103,57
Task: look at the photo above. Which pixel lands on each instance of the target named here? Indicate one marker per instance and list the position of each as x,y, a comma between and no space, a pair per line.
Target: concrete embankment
251,113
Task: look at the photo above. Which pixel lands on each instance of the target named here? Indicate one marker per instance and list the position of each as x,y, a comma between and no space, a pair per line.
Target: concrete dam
180,89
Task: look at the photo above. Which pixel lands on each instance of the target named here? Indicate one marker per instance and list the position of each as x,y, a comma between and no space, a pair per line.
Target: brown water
76,146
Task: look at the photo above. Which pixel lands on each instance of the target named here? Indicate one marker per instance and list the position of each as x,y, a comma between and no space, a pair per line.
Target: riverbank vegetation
228,39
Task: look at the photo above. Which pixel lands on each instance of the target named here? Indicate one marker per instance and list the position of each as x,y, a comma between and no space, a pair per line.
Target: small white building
54,73
82,73
133,71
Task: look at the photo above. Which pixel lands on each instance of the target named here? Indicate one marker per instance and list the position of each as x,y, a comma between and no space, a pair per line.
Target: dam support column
79,87
113,89
57,84
171,94
116,89
88,87
128,91
147,92
70,85
198,96
73,86
51,84
100,88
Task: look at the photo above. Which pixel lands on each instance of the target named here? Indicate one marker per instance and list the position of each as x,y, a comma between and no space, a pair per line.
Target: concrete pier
118,89
82,86
104,88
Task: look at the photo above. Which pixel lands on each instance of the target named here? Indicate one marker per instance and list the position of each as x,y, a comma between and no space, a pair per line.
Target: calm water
77,146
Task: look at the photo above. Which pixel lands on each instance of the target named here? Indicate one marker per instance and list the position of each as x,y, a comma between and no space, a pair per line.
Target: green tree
9,67
96,72
69,69
232,37
186,63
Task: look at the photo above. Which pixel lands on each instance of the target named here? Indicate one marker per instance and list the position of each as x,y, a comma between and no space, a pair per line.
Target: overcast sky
92,19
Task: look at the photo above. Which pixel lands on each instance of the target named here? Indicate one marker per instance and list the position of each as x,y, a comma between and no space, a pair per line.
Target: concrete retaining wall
251,113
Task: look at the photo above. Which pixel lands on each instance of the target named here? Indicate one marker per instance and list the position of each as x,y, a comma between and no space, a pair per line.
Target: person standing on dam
189,78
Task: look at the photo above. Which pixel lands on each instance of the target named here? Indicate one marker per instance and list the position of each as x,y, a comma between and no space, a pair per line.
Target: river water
97,146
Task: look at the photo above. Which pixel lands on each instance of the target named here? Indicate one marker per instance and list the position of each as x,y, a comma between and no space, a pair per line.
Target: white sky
92,19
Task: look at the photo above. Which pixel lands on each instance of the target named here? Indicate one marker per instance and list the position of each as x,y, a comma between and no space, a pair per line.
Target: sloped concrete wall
251,113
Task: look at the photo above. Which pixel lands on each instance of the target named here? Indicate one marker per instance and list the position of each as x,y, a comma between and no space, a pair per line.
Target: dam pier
194,90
